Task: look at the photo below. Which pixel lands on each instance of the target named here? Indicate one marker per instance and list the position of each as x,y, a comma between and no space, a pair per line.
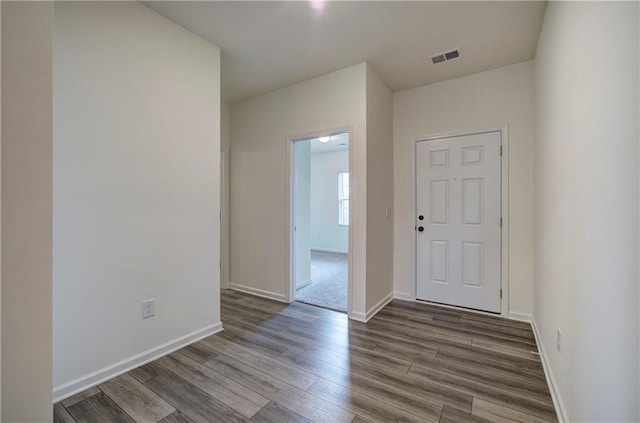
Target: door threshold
461,308
321,306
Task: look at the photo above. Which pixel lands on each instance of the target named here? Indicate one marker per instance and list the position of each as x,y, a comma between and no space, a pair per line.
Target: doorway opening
320,224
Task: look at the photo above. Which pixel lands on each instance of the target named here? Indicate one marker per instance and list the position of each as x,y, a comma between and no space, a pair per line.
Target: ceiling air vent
446,56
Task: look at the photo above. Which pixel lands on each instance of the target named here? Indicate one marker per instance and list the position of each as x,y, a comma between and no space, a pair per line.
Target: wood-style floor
298,363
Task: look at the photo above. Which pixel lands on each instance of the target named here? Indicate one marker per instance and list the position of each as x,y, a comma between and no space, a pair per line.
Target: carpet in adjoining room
329,276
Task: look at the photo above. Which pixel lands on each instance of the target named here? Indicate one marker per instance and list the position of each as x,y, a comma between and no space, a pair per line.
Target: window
343,199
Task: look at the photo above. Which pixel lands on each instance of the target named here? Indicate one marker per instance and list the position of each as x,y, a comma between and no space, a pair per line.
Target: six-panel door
458,208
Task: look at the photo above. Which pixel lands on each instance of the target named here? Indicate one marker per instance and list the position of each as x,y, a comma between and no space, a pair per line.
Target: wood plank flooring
274,362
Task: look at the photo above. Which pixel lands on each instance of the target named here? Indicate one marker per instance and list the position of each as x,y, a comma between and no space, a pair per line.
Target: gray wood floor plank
490,360
453,415
80,396
254,313
136,399
413,403
283,338
510,399
292,375
408,353
499,327
338,339
148,371
61,415
303,403
349,353
275,323
332,339
496,331
369,407
176,417
279,308
526,352
199,352
231,295
499,413
276,413
493,320
225,390
196,404
523,386
413,385
98,408
256,343
440,334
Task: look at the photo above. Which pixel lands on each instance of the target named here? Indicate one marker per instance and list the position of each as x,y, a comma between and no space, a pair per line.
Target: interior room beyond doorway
321,220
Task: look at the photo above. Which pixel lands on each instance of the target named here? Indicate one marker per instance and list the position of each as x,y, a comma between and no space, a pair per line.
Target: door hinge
500,293
501,222
501,150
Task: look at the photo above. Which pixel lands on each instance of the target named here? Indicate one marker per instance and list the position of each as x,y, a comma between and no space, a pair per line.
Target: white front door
458,236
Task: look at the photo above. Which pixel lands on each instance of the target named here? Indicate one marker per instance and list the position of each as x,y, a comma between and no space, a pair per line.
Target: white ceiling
336,143
271,44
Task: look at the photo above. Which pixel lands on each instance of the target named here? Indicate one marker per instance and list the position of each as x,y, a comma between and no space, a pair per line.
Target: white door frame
289,239
504,208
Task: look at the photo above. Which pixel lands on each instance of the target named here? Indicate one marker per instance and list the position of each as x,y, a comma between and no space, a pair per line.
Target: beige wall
260,127
26,211
136,188
586,206
487,100
379,190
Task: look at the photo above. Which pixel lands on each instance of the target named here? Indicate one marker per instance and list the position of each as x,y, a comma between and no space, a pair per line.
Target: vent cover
446,56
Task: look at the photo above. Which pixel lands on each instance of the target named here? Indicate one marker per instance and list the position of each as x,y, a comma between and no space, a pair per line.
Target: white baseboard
85,382
358,316
329,250
303,284
259,292
558,404
521,317
404,296
365,317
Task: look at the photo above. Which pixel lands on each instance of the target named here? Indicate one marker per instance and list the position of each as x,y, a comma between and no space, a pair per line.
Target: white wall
260,127
586,206
326,234
0,215
26,211
302,212
487,100
225,126
225,147
136,150
379,191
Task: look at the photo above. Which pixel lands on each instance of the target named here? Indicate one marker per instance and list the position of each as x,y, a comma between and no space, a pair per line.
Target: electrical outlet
148,308
558,338
387,211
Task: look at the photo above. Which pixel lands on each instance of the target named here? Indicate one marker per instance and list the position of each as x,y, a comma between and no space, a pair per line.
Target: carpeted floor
329,281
